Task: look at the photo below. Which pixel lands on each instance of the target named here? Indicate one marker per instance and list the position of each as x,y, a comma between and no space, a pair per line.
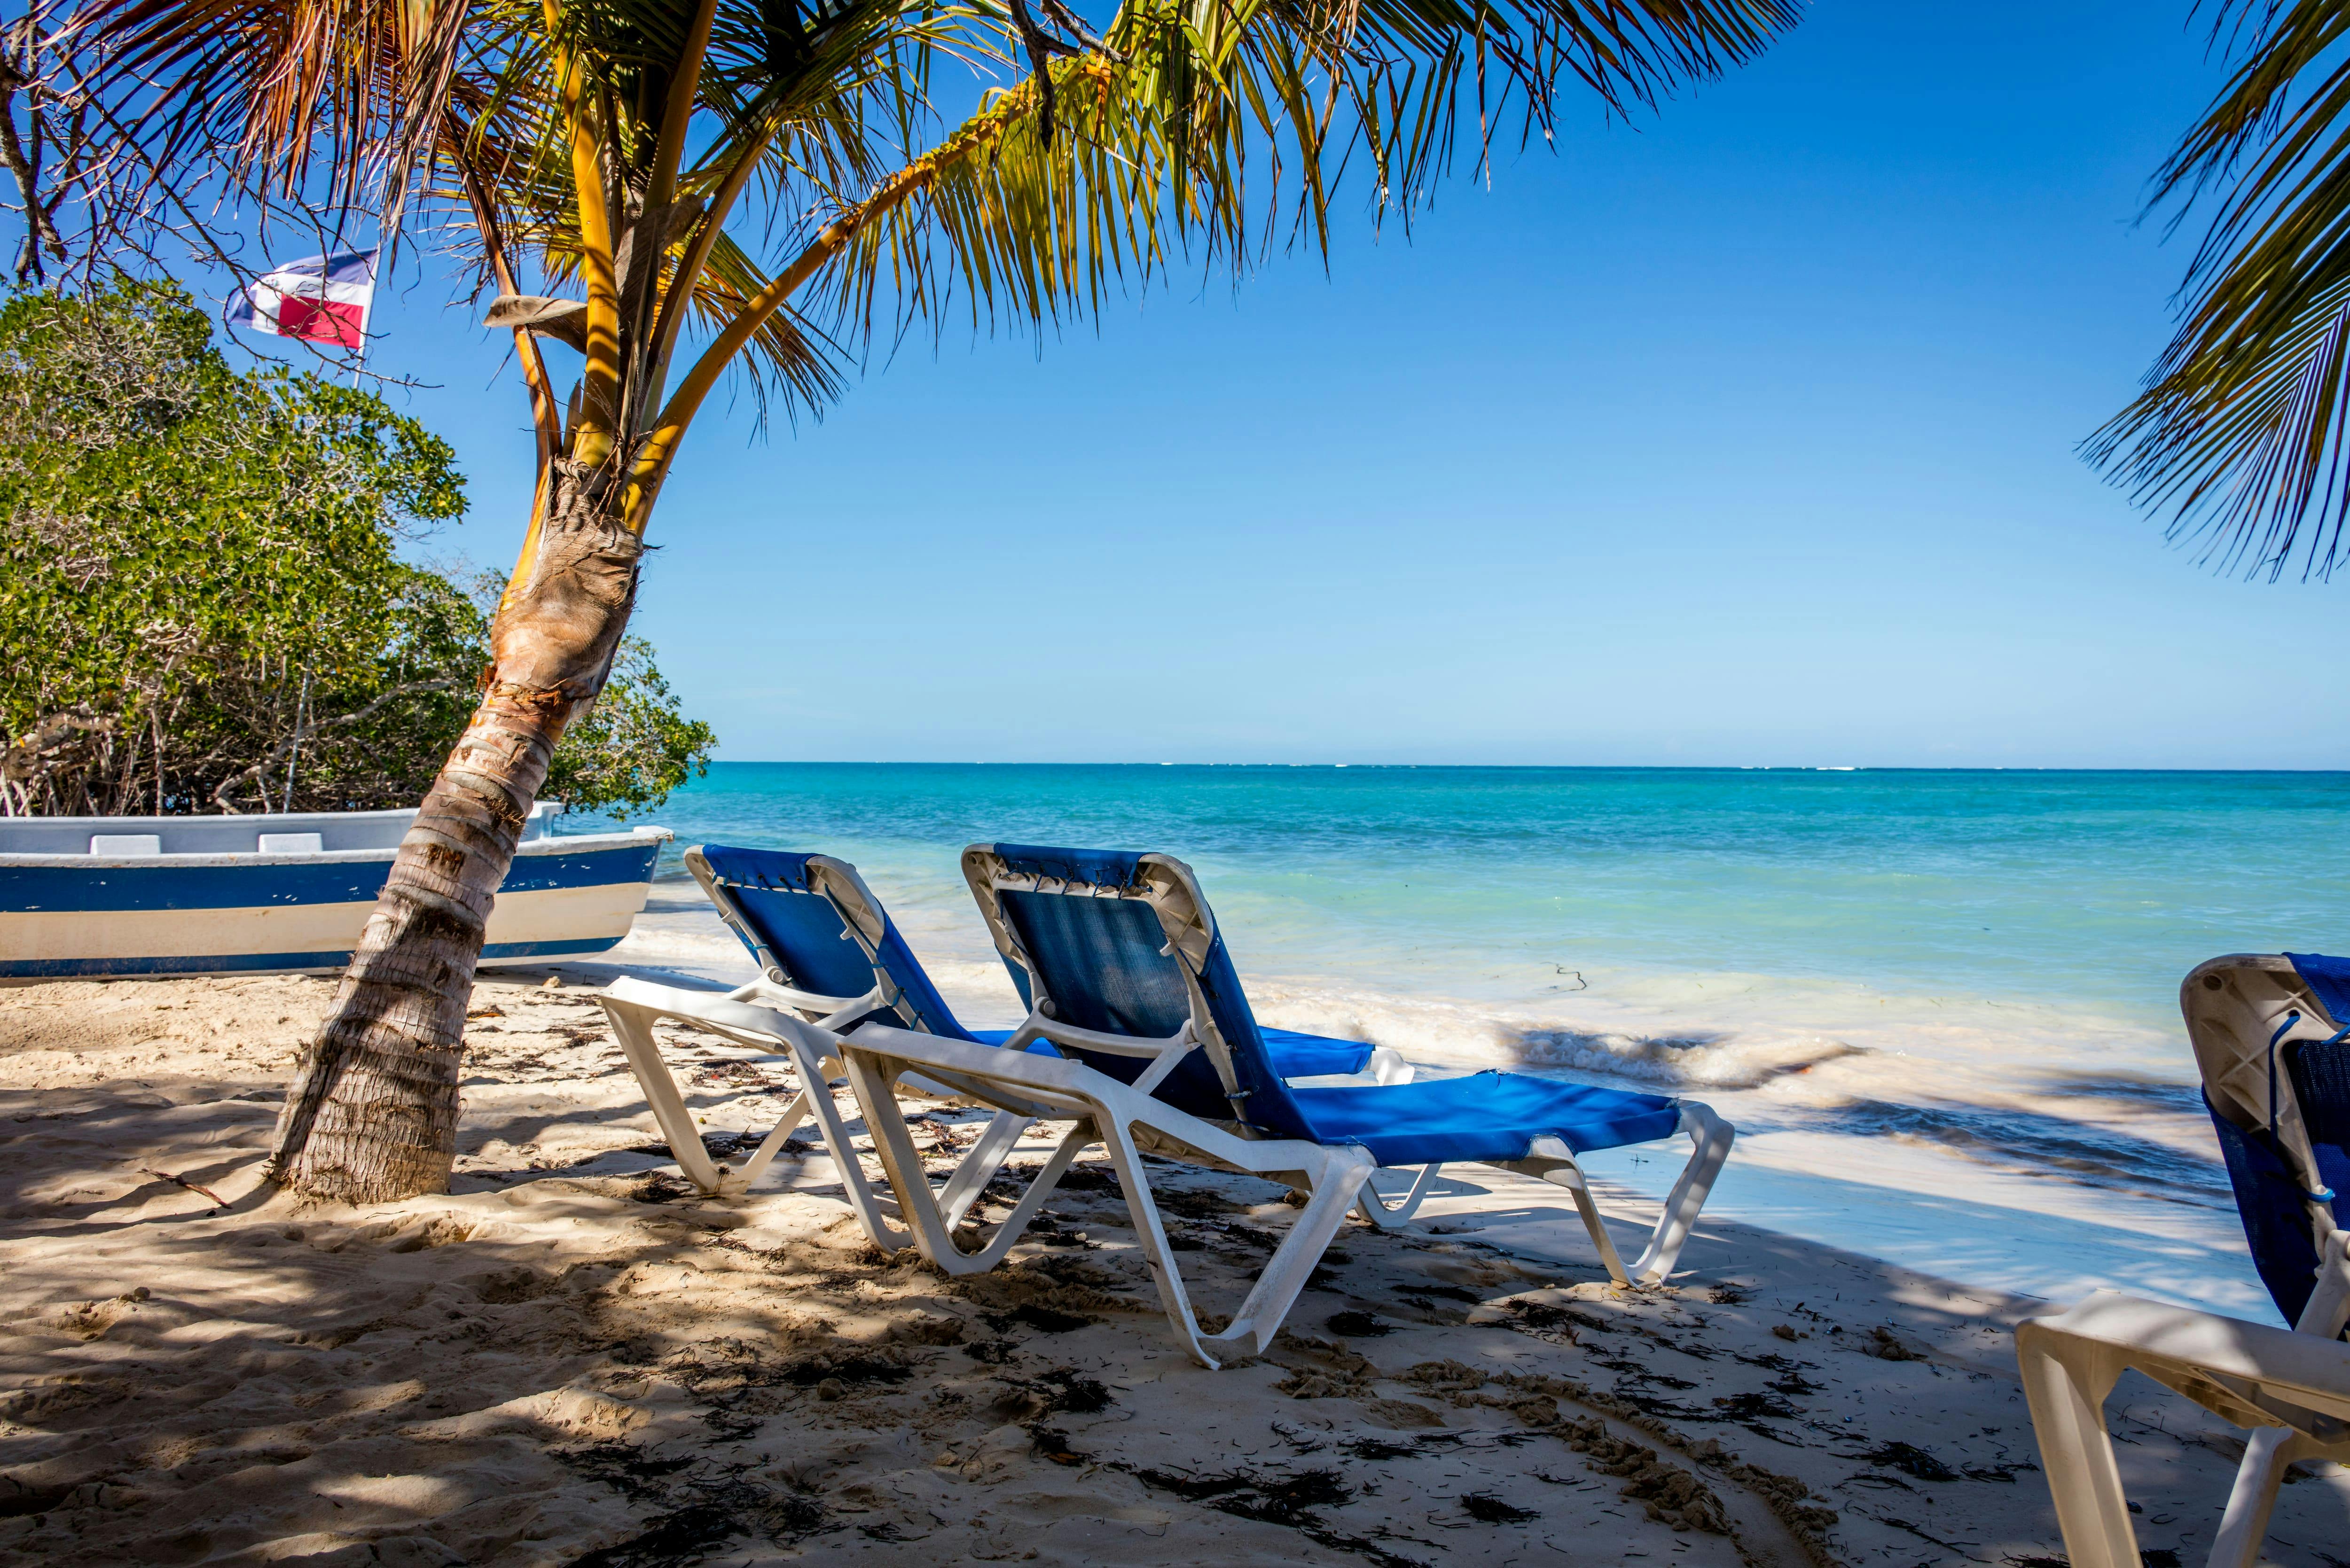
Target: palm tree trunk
372,1114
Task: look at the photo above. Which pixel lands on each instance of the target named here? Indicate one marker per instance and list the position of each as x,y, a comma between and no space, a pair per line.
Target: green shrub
202,605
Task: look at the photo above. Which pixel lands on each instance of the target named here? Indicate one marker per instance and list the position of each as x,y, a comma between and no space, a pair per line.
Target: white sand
557,1364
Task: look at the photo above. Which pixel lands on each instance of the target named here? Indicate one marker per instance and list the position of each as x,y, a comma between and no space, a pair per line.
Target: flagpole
375,261
359,365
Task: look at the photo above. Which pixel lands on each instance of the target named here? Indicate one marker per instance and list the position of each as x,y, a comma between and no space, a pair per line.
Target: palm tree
622,149
2240,431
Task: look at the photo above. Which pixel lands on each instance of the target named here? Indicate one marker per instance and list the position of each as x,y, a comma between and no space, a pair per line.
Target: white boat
102,896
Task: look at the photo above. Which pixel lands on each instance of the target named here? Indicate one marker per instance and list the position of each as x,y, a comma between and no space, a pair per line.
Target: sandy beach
1715,597
572,1358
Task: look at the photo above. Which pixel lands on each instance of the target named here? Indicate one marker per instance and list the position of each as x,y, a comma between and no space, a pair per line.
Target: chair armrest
2246,1372
767,991
1061,1033
720,1011
833,1012
1162,1054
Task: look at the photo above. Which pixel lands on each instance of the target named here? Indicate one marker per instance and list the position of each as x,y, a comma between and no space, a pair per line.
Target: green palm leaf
1207,131
2240,431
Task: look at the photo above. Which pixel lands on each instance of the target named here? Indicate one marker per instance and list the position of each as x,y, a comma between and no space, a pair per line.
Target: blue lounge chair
2276,1079
2270,1041
829,958
1122,966
812,924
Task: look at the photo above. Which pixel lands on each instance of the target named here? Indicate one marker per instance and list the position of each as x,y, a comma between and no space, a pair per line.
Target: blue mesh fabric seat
1124,945
1483,1117
811,923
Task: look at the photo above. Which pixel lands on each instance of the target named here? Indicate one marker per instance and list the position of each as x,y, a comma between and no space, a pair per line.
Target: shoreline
569,1360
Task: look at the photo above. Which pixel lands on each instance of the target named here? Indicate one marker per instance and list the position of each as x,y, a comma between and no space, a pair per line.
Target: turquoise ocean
1941,1006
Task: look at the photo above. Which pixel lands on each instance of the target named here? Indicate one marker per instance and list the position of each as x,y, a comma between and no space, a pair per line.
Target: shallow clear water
1975,971
2103,885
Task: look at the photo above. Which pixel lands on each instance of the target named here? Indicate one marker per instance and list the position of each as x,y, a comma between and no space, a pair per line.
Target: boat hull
67,917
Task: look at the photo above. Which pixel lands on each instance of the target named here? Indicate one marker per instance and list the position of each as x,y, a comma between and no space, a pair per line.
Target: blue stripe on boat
59,889
227,963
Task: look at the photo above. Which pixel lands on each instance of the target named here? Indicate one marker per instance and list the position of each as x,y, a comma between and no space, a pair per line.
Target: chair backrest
811,923
1123,943
2277,1085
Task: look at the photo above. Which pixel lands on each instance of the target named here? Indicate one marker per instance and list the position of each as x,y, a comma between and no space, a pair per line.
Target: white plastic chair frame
754,1017
1172,891
770,1022
1709,1137
1127,1121
1549,1159
760,1018
2291,1387
862,922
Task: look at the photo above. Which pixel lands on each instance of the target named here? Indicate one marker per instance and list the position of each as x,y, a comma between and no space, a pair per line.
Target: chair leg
2246,1524
2065,1382
1375,1210
1142,1209
817,1090
903,1166
1570,1177
1332,1190
1550,1159
798,1111
933,1231
1000,1245
2271,1450
979,1166
1711,1138
815,1103
633,1027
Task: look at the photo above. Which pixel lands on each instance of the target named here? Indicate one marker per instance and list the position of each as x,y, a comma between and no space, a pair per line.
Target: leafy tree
633,747
201,607
601,154
192,557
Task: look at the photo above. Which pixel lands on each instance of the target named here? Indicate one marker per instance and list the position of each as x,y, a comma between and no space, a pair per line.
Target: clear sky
1743,434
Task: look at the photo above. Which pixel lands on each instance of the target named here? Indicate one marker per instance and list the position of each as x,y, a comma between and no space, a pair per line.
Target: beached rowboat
94,896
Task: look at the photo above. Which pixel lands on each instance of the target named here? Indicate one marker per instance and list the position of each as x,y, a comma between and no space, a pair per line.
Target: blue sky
1743,434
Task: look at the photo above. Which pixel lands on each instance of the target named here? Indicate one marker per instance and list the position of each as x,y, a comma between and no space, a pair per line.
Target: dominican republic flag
321,299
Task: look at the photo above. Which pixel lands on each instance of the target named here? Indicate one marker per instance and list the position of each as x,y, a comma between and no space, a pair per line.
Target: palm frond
2242,432
1215,130
1208,130
791,363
